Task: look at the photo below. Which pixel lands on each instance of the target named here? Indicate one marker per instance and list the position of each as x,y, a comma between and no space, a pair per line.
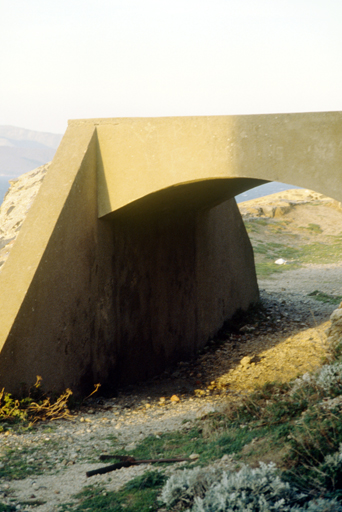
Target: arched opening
297,242
300,227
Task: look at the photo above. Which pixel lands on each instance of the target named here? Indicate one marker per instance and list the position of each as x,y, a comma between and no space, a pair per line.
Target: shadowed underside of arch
134,252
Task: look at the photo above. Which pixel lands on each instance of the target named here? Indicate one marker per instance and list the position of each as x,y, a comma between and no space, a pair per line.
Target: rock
205,410
226,458
16,205
334,332
253,211
130,447
336,317
282,209
268,211
245,361
280,261
175,398
247,328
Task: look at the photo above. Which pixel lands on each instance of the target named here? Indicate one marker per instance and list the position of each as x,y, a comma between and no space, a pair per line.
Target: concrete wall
134,253
46,314
114,300
176,278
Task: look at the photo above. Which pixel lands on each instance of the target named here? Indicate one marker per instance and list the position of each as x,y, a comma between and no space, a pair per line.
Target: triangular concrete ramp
134,254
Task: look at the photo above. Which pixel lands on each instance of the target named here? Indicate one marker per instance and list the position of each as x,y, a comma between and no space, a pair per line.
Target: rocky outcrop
15,206
281,203
334,332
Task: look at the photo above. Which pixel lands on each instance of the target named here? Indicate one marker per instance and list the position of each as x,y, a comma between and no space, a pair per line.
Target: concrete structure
134,253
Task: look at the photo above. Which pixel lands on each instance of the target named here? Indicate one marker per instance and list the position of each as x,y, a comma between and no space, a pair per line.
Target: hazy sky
72,59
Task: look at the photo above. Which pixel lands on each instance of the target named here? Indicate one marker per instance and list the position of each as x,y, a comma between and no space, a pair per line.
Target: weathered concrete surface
47,275
177,278
114,300
133,253
142,156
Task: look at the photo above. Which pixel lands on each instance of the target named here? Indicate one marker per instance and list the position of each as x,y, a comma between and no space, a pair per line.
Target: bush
183,486
247,490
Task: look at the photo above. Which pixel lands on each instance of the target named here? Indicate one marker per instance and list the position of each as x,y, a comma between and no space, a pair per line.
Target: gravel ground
284,340
290,332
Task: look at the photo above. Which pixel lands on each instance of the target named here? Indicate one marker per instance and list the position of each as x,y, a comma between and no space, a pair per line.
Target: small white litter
280,261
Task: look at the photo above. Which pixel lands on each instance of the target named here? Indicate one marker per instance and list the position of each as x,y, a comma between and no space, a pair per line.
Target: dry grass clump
34,407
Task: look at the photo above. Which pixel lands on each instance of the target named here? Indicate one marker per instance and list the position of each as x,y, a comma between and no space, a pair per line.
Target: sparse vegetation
16,464
296,425
312,228
300,416
210,439
303,418
317,247
7,508
325,297
35,406
138,495
249,489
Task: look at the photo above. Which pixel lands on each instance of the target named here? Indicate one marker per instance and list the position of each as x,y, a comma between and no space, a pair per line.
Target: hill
23,150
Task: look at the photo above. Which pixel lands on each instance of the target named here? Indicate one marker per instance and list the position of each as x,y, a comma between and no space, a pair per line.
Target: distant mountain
263,190
23,150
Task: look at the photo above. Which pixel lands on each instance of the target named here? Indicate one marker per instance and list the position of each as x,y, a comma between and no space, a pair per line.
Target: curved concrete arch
134,252
186,197
138,157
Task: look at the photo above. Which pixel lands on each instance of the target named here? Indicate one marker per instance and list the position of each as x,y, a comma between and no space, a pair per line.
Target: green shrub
247,490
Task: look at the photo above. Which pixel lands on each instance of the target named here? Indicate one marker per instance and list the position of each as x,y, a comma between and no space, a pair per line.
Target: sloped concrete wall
46,315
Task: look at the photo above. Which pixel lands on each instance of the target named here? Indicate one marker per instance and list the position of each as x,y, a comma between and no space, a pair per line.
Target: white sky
70,59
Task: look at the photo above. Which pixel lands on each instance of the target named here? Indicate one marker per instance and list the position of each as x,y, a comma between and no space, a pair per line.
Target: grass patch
138,495
312,228
319,249
298,419
267,268
320,253
7,508
210,439
325,297
279,227
16,465
267,253
255,226
291,422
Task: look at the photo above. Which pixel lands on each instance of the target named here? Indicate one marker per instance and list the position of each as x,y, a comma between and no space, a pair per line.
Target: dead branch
127,461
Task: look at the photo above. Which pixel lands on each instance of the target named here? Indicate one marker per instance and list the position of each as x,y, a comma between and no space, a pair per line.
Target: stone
245,361
130,447
282,210
205,410
268,211
16,204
